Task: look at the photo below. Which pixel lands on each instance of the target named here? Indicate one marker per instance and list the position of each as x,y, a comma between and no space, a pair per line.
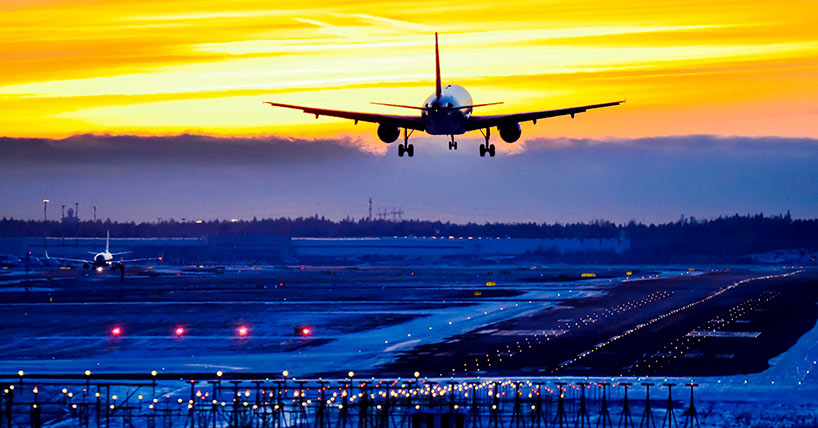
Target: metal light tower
45,222
77,218
94,229
62,224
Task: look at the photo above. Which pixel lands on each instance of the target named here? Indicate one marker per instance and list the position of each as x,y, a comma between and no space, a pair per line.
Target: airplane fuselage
103,259
447,121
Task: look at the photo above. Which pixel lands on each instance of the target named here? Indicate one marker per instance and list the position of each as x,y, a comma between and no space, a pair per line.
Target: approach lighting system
303,330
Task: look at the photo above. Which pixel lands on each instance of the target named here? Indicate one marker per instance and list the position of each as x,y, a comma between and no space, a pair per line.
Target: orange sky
165,67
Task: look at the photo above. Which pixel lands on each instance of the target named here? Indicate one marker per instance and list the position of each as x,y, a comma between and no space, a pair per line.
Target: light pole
77,218
45,223
94,229
62,224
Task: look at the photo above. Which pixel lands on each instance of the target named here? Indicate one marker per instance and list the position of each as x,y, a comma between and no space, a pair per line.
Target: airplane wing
410,122
63,259
481,122
137,260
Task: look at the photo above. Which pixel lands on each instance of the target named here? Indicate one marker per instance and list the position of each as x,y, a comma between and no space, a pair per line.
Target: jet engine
510,132
388,133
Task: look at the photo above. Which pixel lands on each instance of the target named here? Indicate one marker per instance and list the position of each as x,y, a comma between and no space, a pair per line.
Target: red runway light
243,331
306,331
180,331
116,331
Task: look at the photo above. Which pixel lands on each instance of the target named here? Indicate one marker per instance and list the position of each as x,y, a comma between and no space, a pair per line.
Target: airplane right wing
409,122
480,122
138,260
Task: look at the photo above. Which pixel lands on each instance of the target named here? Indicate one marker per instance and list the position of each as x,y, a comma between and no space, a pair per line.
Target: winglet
107,241
438,85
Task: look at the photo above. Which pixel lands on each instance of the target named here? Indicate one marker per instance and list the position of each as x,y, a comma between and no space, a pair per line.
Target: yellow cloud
165,66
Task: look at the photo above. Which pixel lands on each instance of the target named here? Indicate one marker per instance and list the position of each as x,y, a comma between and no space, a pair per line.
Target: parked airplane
104,259
8,261
446,112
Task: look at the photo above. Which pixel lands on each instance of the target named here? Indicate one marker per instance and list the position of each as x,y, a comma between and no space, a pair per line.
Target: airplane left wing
481,122
65,259
409,122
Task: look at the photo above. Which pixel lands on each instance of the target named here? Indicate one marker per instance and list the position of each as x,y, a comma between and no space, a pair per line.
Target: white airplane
446,112
102,260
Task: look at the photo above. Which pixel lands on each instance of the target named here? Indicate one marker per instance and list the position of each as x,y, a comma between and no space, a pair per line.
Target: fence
262,400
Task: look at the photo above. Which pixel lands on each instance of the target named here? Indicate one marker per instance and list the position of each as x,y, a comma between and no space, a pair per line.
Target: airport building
283,249
412,247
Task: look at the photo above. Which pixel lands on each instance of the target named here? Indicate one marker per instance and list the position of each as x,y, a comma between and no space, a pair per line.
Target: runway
387,321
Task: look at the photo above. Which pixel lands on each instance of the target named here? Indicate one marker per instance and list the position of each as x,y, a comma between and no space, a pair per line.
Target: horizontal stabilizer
432,108
476,105
398,105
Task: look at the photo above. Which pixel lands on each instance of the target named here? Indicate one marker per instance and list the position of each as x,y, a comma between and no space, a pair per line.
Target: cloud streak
199,68
555,179
186,149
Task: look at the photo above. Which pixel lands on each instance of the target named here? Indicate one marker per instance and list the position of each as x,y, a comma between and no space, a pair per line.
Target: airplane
102,260
448,111
8,261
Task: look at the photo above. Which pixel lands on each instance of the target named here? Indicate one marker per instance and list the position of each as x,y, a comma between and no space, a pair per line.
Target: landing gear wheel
410,150
483,150
452,145
401,149
491,150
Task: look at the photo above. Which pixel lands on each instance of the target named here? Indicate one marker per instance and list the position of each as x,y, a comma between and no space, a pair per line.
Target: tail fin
438,85
107,241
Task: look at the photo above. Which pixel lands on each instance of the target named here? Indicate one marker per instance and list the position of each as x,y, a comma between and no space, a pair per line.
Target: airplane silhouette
448,111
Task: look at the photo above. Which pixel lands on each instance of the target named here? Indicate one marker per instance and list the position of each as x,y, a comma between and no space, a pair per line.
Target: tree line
721,237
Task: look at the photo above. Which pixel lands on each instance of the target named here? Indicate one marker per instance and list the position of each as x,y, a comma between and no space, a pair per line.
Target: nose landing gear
408,149
452,144
487,147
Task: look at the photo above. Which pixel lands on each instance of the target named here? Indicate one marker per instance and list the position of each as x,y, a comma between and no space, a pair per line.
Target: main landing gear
452,144
407,148
487,148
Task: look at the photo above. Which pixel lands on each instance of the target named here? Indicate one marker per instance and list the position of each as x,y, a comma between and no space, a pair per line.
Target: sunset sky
721,114
166,67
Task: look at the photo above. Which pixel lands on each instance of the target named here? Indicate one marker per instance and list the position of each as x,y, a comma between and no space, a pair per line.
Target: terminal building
451,247
283,249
